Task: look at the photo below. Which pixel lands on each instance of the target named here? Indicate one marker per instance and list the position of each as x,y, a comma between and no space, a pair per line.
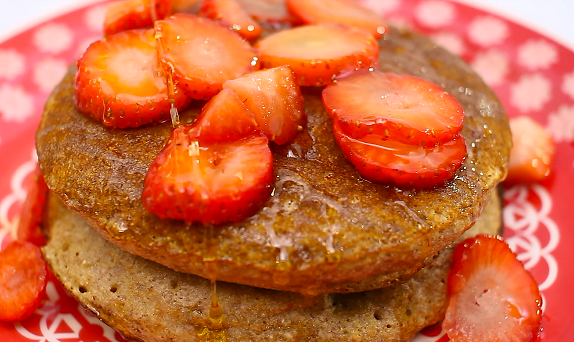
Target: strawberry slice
275,100
22,280
31,215
392,162
492,297
399,107
209,182
224,118
134,14
231,14
203,54
317,53
271,11
187,6
346,12
119,81
532,151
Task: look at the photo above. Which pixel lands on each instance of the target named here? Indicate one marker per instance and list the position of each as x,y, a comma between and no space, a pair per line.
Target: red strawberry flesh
134,14
275,100
400,107
224,118
22,280
346,12
317,53
392,162
209,182
31,214
203,54
231,14
272,11
492,297
532,151
119,81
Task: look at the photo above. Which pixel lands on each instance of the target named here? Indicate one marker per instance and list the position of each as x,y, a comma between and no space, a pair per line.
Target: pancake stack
329,257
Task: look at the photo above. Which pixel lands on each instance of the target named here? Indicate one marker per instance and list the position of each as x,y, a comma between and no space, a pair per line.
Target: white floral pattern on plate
492,66
435,13
561,124
53,38
537,54
12,63
531,92
16,104
488,31
48,72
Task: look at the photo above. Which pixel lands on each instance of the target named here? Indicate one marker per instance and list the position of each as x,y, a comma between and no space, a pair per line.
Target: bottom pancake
146,301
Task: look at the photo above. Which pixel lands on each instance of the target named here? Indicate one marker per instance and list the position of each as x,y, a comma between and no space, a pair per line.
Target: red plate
532,74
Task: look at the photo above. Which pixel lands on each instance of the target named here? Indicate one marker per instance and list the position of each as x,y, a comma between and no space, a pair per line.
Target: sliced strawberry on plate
271,11
391,162
492,297
119,81
275,100
532,151
134,14
210,182
203,53
224,118
31,214
22,280
346,12
399,107
231,14
317,53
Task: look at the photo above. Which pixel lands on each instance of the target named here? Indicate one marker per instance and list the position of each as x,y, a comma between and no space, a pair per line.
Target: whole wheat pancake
325,229
150,302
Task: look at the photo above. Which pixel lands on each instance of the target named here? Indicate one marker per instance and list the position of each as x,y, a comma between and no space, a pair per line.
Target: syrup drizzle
167,69
284,243
213,331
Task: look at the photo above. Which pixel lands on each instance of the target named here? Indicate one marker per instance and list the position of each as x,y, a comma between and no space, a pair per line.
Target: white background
552,17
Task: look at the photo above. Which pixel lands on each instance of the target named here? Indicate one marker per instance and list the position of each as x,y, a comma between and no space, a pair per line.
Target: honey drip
329,208
167,69
213,331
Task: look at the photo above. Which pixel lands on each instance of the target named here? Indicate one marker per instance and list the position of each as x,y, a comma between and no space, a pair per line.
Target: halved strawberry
346,12
119,81
232,15
271,11
134,14
392,162
275,100
22,280
31,214
492,297
209,182
399,107
317,53
224,118
532,151
203,53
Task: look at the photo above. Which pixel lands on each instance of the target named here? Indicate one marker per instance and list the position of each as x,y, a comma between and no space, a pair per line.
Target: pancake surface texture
325,229
149,302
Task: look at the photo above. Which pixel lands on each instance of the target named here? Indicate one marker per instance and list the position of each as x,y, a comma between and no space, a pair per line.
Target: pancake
149,302
325,229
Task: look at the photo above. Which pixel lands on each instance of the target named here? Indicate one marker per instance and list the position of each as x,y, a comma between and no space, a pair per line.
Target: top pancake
324,229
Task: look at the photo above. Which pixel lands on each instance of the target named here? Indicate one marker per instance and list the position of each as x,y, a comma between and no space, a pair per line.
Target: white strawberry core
485,312
132,71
